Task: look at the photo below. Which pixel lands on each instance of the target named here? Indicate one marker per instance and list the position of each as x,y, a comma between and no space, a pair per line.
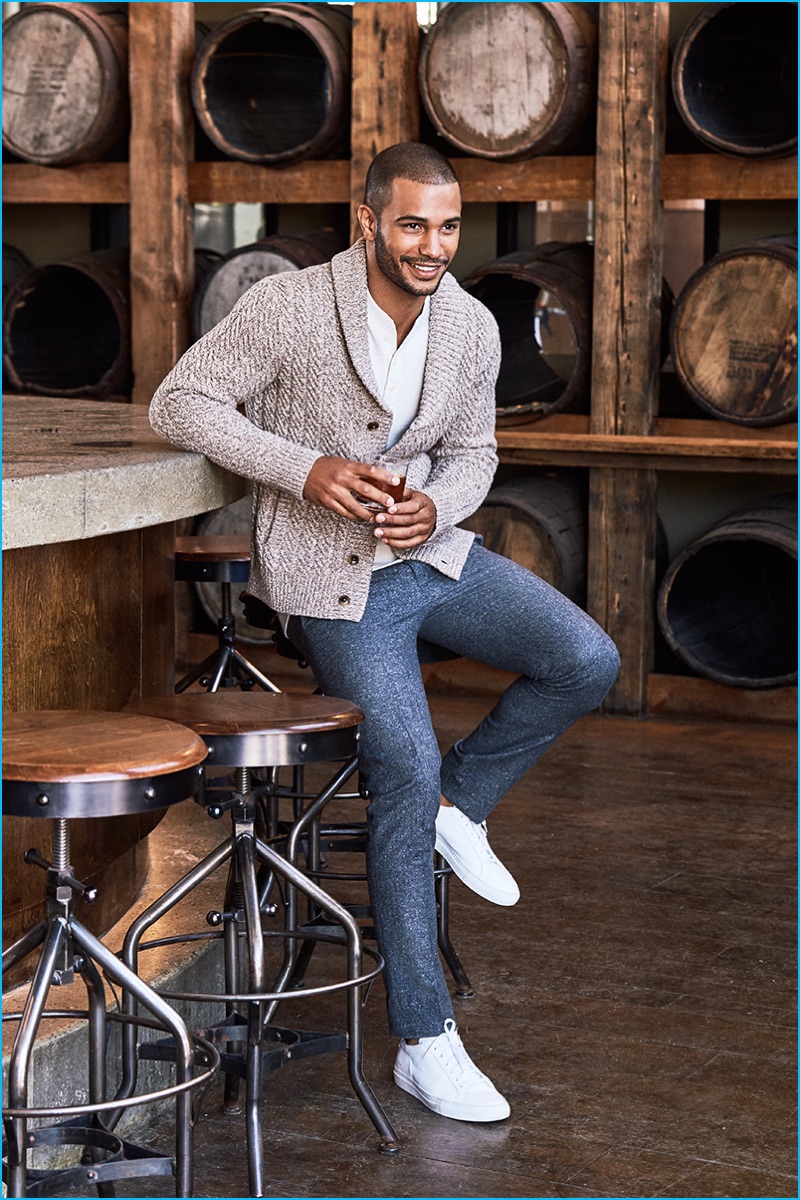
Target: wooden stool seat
251,729
220,558
67,764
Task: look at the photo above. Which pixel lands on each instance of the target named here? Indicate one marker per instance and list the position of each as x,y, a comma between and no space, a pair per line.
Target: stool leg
299,828
23,946
205,666
97,1054
230,945
296,879
184,1121
257,982
252,672
130,956
54,939
449,953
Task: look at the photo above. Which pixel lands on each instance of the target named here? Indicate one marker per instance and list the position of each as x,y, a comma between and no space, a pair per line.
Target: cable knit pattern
286,378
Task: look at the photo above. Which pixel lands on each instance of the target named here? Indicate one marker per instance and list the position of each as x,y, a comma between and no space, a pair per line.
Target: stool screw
303,747
214,918
60,844
42,800
149,793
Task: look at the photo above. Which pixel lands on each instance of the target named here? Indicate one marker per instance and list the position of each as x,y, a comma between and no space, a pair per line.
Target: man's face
416,235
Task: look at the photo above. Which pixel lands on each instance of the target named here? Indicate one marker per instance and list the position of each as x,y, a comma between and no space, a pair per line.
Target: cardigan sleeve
198,405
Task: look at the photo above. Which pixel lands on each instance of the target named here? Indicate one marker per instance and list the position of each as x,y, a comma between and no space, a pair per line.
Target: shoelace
452,1053
480,835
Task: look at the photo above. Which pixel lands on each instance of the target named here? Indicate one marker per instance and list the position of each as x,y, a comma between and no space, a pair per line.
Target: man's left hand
407,524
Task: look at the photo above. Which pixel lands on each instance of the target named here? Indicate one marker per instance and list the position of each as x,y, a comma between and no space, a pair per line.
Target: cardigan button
372,426
343,600
353,559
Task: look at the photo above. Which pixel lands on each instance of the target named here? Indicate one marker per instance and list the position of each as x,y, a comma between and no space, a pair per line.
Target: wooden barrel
539,521
507,81
205,263
542,301
66,328
727,605
734,333
15,265
233,519
272,85
734,78
65,81
233,274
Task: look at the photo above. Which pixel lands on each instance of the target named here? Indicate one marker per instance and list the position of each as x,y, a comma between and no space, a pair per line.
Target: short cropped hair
405,160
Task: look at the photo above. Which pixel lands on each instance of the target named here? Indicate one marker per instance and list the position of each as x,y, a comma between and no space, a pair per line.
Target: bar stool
67,765
251,731
222,559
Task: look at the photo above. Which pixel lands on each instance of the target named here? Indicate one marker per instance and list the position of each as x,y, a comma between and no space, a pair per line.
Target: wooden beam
385,88
626,329
681,444
566,178
628,218
85,183
318,182
161,39
683,177
723,177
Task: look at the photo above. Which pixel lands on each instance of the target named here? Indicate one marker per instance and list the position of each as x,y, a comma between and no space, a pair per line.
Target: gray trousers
497,613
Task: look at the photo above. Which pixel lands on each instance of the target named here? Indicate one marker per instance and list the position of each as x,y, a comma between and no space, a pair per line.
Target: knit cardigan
286,377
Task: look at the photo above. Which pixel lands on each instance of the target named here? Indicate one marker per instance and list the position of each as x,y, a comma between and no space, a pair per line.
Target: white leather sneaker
465,846
440,1073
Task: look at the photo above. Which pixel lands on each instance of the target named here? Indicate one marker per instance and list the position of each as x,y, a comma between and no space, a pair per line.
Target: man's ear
368,222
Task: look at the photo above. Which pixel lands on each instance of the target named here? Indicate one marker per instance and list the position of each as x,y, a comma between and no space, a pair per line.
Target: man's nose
431,244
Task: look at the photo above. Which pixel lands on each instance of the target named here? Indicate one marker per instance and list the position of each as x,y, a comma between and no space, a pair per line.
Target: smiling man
334,365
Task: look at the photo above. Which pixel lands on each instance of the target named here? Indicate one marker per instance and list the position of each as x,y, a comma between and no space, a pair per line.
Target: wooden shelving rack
622,442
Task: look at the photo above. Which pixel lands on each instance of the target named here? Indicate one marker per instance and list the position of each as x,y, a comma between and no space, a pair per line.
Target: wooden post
626,330
385,88
161,39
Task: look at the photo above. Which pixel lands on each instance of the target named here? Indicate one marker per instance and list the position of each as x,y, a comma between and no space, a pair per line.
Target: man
335,364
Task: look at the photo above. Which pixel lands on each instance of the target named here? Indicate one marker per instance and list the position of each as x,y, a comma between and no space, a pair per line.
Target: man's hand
408,524
332,481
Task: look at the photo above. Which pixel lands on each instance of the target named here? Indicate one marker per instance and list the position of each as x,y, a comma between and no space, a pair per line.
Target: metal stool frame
68,947
253,867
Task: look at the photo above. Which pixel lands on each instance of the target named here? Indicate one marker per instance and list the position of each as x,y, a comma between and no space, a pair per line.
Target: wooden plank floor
637,1006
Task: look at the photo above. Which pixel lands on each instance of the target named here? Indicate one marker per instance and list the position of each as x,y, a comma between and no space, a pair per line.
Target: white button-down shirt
398,371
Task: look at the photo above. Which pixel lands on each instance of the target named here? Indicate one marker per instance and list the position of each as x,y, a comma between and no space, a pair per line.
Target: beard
393,271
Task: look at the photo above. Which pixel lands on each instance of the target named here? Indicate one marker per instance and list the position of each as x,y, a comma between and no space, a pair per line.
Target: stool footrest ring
206,1055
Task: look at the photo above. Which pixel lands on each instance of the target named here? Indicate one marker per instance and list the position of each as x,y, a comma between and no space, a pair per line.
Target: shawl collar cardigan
294,355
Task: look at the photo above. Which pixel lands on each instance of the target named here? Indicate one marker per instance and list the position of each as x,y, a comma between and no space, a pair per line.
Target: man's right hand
332,481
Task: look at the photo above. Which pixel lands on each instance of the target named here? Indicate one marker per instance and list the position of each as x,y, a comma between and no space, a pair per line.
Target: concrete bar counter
90,497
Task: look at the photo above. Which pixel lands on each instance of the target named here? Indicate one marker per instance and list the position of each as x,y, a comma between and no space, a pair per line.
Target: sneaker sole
474,884
445,1108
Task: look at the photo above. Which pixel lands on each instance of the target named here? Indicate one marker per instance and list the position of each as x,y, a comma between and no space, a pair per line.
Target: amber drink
395,490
